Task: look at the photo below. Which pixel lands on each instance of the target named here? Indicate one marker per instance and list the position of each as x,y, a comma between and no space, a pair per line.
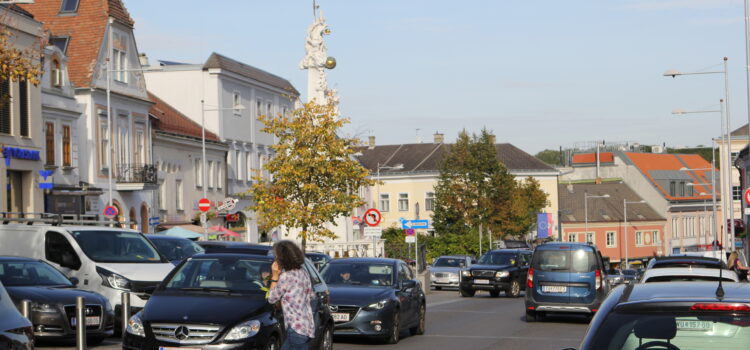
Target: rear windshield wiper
207,289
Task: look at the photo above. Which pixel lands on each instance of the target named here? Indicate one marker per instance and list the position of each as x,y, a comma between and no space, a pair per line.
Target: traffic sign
110,212
204,204
409,231
415,224
154,221
227,204
375,232
204,218
747,196
373,217
411,239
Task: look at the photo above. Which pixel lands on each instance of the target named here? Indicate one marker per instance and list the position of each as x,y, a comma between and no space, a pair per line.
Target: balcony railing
136,173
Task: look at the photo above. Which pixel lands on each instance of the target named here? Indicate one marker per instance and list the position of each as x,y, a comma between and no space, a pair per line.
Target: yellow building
409,172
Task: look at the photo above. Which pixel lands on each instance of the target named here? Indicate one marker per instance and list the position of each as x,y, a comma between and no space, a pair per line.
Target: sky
538,74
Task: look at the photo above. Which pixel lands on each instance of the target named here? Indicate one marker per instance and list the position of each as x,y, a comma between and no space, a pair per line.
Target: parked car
565,277
673,316
53,300
496,271
106,260
211,247
631,275
688,274
375,297
446,270
175,249
318,259
615,277
228,308
16,332
686,261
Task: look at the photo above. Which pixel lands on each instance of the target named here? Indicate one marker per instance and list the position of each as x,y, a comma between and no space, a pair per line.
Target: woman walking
291,285
735,264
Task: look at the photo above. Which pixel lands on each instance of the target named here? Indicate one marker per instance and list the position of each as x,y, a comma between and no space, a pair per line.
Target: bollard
80,324
125,302
26,309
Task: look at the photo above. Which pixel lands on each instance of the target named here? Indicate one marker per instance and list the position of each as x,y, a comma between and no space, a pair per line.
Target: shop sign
19,153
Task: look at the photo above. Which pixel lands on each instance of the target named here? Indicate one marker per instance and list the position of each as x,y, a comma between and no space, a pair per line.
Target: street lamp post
377,200
625,203
586,197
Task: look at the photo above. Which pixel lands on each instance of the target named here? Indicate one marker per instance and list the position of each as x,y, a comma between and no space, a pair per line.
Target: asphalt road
481,322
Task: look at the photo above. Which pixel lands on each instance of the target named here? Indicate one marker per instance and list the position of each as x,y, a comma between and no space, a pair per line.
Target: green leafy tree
315,177
550,156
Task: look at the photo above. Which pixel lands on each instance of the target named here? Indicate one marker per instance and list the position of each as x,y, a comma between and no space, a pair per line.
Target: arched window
57,75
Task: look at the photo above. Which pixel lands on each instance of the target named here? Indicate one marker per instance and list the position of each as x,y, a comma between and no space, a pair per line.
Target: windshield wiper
207,289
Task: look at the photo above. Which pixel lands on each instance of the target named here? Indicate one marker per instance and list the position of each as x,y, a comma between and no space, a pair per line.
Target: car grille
351,310
184,333
441,274
483,273
90,310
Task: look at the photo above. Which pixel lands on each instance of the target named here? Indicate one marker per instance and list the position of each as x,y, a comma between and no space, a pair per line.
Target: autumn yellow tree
314,177
15,63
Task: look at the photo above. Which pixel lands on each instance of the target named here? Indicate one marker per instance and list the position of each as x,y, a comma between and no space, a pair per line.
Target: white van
105,260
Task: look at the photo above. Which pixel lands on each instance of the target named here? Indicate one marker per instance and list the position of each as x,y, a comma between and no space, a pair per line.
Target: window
249,165
139,144
49,135
119,58
269,109
571,237
104,147
258,106
23,100
61,42
689,227
611,239
590,237
210,179
198,172
682,188
672,188
69,6
403,202
238,166
675,233
639,238
734,155
163,196
178,194
655,238
219,175
67,157
737,193
58,250
385,202
57,75
237,102
5,107
429,201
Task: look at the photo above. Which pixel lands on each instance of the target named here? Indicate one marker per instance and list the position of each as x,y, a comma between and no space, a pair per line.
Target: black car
672,316
218,301
175,249
318,259
53,300
16,332
496,271
375,297
235,247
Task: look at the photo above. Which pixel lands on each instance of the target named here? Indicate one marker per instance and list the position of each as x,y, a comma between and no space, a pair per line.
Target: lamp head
672,73
678,111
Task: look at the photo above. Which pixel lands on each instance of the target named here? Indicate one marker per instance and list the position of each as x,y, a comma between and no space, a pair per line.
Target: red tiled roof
86,30
647,162
172,121
604,157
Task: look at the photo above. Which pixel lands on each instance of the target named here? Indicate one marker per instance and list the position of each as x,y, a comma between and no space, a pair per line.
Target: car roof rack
54,219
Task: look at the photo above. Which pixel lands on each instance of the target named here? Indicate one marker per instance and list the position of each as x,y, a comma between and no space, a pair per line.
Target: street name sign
411,239
415,224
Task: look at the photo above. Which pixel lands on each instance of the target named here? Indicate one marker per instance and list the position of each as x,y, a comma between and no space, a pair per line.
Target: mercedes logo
181,333
89,311
333,308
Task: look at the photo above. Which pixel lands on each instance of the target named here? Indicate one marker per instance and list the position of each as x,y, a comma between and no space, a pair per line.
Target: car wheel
438,288
531,316
514,291
273,343
494,293
393,337
419,329
466,293
327,342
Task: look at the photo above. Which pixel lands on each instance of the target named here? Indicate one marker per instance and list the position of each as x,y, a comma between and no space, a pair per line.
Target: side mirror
408,284
74,280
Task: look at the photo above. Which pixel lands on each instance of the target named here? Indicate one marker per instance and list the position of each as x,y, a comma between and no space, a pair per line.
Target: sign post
204,205
372,218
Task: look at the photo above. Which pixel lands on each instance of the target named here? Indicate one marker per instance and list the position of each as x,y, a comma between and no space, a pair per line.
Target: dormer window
69,6
57,74
60,41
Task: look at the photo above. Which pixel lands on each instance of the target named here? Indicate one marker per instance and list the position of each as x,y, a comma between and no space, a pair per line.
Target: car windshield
318,258
580,260
31,273
117,246
449,262
683,331
361,274
177,249
687,279
497,259
221,275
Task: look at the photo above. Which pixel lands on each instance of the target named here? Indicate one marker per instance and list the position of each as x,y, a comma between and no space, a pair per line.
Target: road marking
499,337
465,311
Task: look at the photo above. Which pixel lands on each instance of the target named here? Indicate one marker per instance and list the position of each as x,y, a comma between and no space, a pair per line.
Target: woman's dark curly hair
288,255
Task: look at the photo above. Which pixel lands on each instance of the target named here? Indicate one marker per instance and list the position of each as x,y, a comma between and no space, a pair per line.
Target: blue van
567,278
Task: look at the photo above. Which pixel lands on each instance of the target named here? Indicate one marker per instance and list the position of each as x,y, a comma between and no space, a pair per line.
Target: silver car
446,270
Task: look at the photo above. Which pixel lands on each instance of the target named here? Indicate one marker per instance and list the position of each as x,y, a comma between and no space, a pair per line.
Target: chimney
438,138
371,142
143,60
493,139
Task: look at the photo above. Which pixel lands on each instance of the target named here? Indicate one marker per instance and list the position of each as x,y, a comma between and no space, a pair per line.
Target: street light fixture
625,203
586,197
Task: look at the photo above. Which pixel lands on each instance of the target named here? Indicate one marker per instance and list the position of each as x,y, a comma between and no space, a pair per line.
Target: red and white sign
233,217
110,212
409,232
204,204
372,217
356,220
747,196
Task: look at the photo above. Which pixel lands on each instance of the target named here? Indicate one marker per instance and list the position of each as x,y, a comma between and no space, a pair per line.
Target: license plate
481,281
554,289
174,348
90,321
340,317
690,325
442,280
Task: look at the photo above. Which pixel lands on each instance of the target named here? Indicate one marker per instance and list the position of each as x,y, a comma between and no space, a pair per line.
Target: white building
234,94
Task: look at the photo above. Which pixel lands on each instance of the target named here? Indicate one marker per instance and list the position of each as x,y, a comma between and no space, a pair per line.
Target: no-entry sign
204,204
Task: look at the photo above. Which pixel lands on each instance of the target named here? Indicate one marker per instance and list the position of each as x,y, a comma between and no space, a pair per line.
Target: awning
187,226
178,231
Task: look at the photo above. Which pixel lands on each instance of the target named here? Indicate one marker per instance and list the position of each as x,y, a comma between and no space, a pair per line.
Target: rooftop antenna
720,289
315,9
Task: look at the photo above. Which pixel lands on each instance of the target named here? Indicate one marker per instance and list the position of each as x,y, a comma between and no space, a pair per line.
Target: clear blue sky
540,74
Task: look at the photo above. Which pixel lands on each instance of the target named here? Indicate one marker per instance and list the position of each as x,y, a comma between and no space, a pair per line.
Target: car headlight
113,280
466,273
243,330
377,306
43,308
135,326
501,274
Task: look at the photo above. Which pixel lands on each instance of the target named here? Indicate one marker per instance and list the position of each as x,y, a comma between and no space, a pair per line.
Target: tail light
598,278
530,278
720,307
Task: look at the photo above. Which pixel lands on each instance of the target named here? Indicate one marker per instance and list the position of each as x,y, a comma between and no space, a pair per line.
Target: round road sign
204,204
372,217
110,212
747,196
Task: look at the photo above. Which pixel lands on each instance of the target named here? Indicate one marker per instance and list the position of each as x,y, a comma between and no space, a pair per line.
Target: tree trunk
304,238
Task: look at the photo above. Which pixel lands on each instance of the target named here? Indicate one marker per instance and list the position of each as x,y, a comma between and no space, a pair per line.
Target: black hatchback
218,301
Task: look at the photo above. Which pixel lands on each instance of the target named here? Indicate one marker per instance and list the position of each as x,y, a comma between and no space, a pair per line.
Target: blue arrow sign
407,224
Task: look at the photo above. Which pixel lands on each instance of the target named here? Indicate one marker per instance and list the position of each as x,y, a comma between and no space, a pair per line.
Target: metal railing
136,173
59,219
